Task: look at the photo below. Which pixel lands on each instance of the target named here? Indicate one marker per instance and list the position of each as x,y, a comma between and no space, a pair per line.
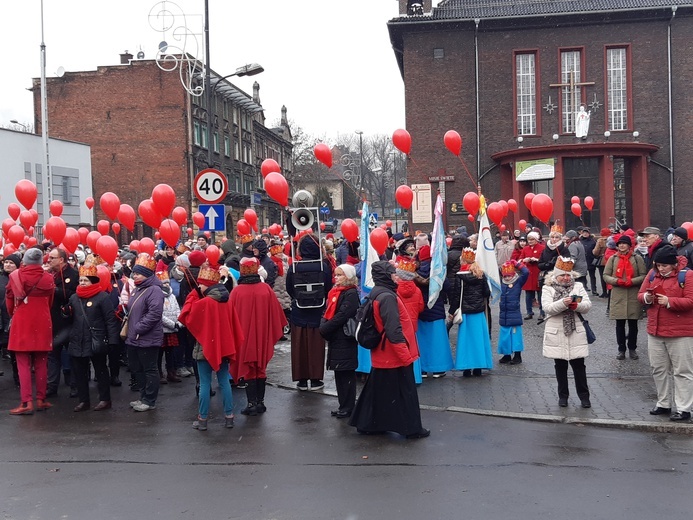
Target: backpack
367,334
681,277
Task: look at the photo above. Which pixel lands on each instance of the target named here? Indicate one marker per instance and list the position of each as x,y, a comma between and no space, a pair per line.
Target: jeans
144,364
632,334
529,299
592,271
205,370
58,359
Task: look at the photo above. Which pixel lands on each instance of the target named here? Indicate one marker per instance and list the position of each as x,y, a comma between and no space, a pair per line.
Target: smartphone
575,298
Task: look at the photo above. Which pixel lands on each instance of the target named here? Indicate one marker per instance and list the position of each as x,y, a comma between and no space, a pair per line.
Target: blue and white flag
486,255
439,255
367,252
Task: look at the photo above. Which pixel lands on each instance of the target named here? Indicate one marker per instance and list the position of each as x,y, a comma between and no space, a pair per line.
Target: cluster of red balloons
575,205
276,185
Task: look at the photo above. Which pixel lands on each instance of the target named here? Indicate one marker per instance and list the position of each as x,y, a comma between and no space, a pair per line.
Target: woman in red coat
28,297
530,257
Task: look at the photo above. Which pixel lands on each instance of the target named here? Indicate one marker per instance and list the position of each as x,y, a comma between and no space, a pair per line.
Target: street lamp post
14,121
394,173
360,134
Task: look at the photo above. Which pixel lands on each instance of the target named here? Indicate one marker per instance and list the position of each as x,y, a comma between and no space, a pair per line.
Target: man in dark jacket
66,281
260,252
655,241
684,247
589,243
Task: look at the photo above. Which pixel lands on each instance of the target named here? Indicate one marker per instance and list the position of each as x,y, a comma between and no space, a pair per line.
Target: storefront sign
536,170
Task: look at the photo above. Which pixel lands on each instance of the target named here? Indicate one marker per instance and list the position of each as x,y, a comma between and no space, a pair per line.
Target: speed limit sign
210,186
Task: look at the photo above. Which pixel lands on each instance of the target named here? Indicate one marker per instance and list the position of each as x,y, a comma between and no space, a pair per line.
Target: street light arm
251,69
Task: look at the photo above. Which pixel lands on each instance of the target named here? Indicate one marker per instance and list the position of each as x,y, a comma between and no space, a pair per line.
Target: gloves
621,283
625,283
572,306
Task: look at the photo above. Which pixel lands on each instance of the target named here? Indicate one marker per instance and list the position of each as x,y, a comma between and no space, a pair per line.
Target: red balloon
542,207
495,213
26,218
471,218
8,250
528,200
512,205
13,210
54,229
104,277
31,241
89,201
323,154
453,142
180,216
576,209
107,248
402,140
281,234
404,196
149,214
213,253
277,188
275,229
34,214
26,193
503,227
170,232
383,226
30,231
103,226
379,239
7,224
471,202
126,215
322,226
243,227
92,238
208,234
71,240
116,228
164,199
448,241
56,208
269,166
575,199
110,204
688,226
388,223
134,245
251,218
505,207
198,219
523,224
16,235
589,202
147,246
157,235
349,229
189,231
83,232
264,231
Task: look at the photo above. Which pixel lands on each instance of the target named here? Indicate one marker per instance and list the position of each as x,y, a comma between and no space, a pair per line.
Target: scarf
508,281
249,279
280,264
560,292
88,291
332,298
624,269
551,245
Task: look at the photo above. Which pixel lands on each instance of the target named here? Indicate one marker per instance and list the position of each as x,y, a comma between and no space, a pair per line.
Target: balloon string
467,170
413,161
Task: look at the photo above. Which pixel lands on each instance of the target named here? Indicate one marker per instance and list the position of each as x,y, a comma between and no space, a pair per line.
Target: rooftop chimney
125,58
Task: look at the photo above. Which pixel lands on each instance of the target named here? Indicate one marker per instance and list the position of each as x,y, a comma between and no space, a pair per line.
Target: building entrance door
581,178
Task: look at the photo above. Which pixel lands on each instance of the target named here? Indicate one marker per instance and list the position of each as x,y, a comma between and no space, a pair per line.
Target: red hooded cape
214,325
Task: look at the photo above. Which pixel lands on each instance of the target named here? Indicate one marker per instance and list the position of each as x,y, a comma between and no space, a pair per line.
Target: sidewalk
622,392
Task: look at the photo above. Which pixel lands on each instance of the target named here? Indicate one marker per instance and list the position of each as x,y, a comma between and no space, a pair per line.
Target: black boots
260,383
251,395
517,359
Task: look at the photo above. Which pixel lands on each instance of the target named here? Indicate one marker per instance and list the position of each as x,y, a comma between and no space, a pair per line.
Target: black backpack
367,334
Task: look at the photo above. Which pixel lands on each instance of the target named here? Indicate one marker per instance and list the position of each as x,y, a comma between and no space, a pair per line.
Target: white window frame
526,94
617,87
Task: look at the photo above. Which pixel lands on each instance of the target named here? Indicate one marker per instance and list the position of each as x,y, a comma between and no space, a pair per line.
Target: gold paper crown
244,239
468,255
182,248
249,266
88,270
162,275
147,261
276,249
564,264
97,260
508,269
405,263
556,228
208,276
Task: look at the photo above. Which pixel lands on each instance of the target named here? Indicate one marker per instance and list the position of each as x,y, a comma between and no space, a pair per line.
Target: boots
251,394
26,408
517,358
172,377
504,359
162,378
261,408
42,404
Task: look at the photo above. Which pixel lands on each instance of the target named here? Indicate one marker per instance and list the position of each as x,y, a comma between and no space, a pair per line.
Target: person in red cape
214,324
263,320
28,297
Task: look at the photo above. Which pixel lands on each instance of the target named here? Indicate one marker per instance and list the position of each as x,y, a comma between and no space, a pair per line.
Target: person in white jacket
169,320
565,340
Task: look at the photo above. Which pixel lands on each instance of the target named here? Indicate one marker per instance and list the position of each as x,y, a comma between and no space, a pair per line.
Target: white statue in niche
582,122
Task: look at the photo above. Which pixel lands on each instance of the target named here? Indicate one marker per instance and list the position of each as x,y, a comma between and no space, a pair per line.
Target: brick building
511,77
144,129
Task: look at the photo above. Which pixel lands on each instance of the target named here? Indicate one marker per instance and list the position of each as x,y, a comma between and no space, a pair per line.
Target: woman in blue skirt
510,341
470,294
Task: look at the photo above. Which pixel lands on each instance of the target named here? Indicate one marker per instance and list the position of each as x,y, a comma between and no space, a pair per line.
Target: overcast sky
329,62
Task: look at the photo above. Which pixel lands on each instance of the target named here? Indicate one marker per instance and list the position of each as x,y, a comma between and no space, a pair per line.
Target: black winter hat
625,239
681,232
666,255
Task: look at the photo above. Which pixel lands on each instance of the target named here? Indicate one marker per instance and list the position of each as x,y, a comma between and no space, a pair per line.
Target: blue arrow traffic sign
215,217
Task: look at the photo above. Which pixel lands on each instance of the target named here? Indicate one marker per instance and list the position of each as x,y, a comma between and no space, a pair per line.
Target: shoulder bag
126,319
99,345
591,337
457,317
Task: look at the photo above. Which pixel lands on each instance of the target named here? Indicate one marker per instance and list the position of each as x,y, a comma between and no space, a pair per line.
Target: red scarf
88,291
332,298
280,264
624,269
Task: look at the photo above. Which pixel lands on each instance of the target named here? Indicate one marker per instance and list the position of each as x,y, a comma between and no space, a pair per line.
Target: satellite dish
163,46
60,72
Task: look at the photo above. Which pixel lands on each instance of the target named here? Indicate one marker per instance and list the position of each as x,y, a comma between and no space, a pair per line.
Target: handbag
349,328
591,337
99,345
126,319
458,317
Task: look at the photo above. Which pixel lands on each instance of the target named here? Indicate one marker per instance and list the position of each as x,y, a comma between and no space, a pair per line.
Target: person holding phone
565,340
669,297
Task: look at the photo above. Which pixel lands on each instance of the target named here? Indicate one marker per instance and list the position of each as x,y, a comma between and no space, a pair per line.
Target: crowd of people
71,315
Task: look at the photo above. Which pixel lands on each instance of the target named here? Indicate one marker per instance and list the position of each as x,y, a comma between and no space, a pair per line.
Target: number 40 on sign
210,186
